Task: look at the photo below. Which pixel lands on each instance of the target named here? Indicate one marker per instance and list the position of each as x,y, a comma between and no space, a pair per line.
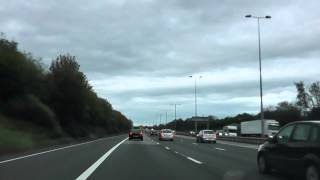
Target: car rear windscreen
166,131
208,132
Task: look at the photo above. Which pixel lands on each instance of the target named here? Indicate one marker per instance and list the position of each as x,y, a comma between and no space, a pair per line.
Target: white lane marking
196,161
195,143
221,149
167,148
52,150
94,166
176,152
158,143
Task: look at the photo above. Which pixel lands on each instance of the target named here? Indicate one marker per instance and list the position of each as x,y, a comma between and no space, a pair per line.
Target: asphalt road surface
117,158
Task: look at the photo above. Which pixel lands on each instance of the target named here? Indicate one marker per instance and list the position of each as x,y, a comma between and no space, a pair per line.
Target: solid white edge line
196,161
95,165
52,150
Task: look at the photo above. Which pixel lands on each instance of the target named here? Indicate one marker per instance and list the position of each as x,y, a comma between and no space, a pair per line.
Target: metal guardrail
249,140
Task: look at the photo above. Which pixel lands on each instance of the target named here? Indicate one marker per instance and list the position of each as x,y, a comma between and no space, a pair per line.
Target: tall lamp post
195,102
175,115
260,69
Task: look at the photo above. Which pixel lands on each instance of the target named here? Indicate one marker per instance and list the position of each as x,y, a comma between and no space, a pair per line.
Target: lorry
253,128
230,130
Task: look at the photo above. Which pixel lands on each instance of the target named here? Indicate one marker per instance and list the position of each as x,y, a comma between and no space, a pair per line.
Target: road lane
230,163
66,163
147,160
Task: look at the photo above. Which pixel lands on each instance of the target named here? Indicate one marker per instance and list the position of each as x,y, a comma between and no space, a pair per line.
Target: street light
195,101
260,69
175,115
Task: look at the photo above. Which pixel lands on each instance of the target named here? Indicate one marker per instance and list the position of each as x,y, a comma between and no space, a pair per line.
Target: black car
294,149
136,132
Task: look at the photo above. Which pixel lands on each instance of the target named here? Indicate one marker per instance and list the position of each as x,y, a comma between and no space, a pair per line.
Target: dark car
294,149
136,132
153,132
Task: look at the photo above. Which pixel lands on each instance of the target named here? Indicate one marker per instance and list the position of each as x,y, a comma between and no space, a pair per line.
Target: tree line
305,107
59,99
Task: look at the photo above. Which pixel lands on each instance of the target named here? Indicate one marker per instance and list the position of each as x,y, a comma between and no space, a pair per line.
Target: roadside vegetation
39,106
306,107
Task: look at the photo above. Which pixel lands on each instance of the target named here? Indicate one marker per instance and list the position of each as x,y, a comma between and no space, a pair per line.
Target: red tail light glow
130,133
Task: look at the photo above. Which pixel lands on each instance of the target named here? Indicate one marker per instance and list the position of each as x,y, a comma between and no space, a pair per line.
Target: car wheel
263,165
311,173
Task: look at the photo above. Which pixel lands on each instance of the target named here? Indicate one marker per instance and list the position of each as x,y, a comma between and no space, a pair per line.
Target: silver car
206,136
166,134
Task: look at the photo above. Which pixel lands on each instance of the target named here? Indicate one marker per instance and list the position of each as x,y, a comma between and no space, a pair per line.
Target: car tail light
161,134
214,136
130,133
141,133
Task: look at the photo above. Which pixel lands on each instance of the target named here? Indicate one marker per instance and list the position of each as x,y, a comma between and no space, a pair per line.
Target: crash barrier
249,140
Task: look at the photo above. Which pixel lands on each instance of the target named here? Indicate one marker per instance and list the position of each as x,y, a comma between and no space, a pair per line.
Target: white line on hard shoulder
196,161
52,150
94,166
221,149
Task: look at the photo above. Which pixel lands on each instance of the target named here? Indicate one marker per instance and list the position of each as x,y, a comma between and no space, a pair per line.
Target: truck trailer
253,128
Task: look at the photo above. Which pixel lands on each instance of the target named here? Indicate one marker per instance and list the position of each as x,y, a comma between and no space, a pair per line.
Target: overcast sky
138,54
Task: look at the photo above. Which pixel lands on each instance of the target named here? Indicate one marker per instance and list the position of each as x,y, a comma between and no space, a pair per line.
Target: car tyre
263,165
311,173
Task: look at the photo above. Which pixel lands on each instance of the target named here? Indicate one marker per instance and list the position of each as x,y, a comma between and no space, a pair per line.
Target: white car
166,134
206,136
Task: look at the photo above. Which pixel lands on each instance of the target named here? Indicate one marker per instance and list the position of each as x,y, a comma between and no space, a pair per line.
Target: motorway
117,158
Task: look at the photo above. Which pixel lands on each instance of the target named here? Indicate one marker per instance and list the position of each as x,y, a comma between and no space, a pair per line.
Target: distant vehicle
206,136
253,128
230,130
167,134
153,132
136,132
294,149
219,133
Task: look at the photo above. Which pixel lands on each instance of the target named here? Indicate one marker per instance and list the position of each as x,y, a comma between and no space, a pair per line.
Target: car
153,132
294,149
136,132
206,136
166,134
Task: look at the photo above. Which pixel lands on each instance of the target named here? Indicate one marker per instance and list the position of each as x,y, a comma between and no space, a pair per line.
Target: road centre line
94,166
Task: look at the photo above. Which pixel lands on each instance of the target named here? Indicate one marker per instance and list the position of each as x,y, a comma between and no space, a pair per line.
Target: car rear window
208,132
166,131
301,132
315,134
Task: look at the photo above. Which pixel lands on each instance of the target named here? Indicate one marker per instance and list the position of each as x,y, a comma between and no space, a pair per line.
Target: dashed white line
167,148
221,149
158,143
196,161
195,143
176,152
94,166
